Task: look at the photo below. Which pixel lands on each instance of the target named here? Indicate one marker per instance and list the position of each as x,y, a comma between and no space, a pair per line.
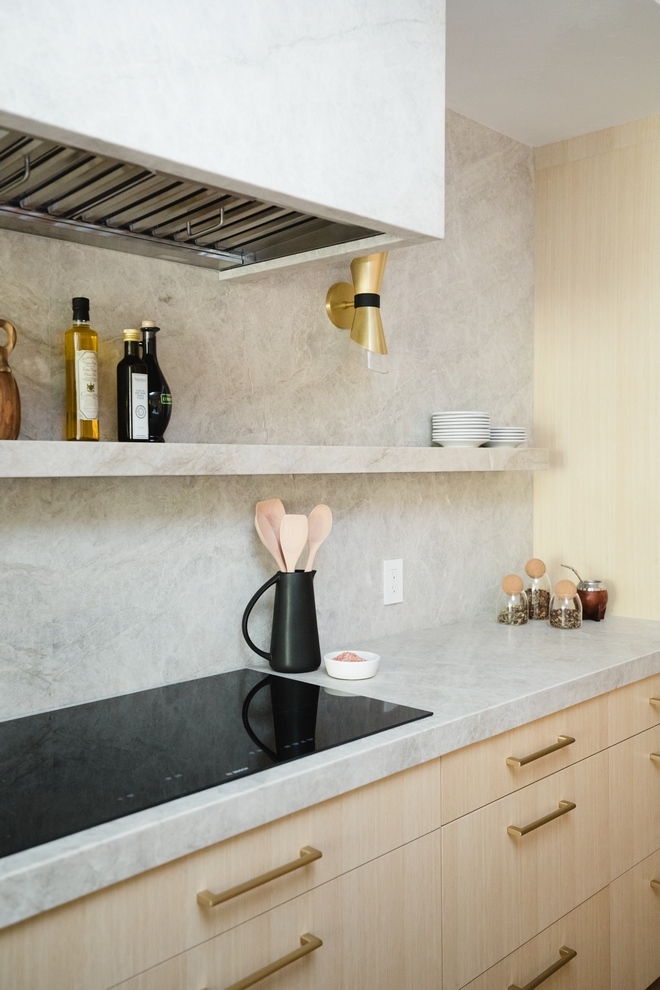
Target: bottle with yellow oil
81,348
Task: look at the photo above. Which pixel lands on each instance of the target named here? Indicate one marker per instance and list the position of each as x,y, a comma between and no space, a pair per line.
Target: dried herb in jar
514,616
565,618
539,603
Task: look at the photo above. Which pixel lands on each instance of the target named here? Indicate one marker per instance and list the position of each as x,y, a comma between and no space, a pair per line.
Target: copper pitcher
10,400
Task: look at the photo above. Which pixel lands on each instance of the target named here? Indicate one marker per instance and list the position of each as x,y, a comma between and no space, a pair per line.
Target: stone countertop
478,679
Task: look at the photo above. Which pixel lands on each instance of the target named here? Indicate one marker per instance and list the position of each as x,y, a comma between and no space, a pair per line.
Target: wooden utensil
293,537
319,526
268,538
274,512
10,400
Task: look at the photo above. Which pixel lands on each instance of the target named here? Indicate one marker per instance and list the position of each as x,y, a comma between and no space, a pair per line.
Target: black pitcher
294,640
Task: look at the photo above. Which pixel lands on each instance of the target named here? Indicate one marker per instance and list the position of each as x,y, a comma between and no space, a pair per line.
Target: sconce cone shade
358,307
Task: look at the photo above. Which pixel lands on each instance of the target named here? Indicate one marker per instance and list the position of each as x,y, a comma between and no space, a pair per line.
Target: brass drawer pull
655,884
655,702
308,943
566,956
518,830
521,761
655,757
208,899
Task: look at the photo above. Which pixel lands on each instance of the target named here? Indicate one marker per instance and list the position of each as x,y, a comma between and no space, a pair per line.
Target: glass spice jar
539,589
512,609
565,606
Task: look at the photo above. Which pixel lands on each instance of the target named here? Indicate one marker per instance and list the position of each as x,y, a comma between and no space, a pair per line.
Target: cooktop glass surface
66,770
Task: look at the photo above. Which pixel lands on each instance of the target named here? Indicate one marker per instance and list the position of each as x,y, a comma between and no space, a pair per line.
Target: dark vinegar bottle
132,392
160,397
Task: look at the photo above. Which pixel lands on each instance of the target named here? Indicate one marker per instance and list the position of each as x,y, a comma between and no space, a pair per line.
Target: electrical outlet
392,582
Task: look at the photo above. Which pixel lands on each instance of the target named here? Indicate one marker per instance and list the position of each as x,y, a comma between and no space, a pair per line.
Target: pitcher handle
246,615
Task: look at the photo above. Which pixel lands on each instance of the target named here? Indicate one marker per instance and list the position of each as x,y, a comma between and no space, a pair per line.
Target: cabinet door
634,800
584,931
379,924
99,940
500,890
631,709
635,926
478,774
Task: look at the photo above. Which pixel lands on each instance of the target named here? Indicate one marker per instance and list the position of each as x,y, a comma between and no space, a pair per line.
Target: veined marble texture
115,584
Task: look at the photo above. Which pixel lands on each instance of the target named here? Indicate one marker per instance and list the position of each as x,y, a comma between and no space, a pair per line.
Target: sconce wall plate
339,305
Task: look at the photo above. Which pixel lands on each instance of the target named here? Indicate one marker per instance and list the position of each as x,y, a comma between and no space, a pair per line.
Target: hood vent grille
56,191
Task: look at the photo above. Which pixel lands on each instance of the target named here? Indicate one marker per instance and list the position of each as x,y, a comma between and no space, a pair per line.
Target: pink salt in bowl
356,670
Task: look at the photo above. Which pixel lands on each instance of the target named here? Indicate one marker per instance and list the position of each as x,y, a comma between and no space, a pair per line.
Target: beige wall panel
634,800
478,774
99,940
586,930
597,374
380,927
635,927
500,891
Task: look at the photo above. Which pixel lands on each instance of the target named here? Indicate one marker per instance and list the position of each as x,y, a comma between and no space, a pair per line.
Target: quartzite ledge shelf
62,459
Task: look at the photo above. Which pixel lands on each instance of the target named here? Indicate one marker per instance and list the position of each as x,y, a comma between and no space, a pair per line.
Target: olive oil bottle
81,346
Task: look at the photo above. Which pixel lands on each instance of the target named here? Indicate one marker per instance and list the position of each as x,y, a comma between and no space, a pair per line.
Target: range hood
57,191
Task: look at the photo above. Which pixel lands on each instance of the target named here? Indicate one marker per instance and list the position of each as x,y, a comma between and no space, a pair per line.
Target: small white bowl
348,671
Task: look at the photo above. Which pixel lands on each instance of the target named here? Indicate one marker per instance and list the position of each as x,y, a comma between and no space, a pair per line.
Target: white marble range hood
336,109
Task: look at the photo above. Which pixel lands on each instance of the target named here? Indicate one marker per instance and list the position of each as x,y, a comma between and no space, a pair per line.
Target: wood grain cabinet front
572,954
635,926
518,865
379,925
98,941
488,770
634,708
634,799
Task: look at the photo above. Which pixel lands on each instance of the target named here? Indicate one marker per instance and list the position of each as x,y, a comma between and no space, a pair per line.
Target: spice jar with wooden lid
513,608
538,590
565,606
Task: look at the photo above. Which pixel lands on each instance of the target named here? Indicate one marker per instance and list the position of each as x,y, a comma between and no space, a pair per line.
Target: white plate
352,671
463,412
504,443
456,435
459,443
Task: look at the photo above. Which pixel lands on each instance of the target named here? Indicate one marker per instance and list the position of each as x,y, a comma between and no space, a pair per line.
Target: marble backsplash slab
122,583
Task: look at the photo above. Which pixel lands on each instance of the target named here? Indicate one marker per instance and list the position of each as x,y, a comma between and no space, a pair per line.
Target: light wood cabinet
634,800
584,930
379,924
99,940
630,708
635,927
479,774
499,890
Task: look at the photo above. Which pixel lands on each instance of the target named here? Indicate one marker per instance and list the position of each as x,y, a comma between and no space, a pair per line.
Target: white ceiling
544,70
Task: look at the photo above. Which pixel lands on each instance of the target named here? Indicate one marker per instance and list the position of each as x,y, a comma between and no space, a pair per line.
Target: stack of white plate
506,436
461,429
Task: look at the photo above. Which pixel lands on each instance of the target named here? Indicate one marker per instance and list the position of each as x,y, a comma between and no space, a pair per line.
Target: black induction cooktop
66,770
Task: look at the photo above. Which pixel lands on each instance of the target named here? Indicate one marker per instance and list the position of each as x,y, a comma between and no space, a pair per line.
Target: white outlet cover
392,582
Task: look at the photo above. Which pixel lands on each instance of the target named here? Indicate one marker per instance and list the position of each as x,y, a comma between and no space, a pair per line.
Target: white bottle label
87,384
139,407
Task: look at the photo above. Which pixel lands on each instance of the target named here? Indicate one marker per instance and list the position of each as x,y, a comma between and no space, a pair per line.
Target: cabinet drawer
634,800
379,924
630,710
585,931
97,941
635,927
478,774
500,890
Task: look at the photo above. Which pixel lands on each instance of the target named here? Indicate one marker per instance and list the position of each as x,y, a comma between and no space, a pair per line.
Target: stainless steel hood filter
55,191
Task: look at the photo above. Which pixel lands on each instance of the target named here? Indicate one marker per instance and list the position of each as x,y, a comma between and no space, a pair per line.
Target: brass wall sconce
356,308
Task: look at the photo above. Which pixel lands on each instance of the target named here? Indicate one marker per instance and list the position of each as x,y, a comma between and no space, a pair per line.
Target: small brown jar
593,595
